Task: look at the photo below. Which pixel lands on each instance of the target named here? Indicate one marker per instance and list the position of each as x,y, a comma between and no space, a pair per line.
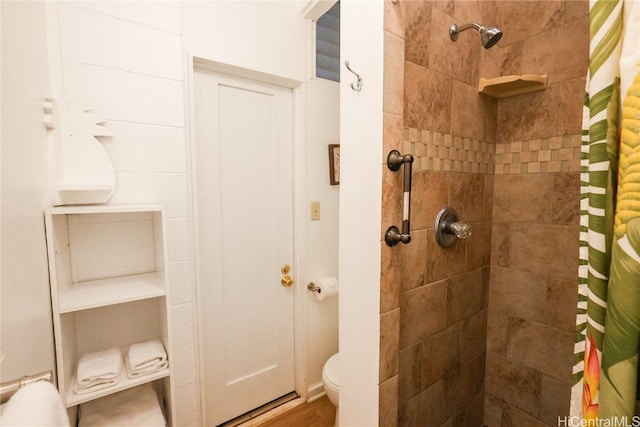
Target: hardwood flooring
319,413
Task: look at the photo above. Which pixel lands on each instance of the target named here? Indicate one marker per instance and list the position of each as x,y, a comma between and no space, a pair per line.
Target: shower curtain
608,320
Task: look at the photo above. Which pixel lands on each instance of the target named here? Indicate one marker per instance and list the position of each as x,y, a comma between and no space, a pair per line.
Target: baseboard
315,392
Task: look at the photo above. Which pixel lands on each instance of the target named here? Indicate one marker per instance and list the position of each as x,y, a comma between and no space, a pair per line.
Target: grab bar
10,388
395,160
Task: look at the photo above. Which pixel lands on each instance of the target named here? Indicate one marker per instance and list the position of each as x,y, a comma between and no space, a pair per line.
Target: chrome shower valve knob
462,230
448,229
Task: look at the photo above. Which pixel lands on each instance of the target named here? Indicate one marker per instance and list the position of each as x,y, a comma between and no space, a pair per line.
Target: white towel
98,370
36,404
145,357
133,407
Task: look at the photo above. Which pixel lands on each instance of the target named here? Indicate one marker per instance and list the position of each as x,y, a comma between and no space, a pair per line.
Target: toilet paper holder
314,288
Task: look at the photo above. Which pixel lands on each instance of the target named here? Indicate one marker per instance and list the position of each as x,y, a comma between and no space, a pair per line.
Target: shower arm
454,30
395,160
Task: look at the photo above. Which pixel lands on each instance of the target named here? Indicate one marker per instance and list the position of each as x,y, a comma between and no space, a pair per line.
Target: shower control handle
448,229
461,230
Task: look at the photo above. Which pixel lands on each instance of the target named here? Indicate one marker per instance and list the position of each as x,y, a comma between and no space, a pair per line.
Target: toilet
331,381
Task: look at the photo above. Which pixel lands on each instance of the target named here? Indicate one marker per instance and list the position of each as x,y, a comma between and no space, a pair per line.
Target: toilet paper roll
327,287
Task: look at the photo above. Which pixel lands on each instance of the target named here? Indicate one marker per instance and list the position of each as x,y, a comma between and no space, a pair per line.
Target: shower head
489,36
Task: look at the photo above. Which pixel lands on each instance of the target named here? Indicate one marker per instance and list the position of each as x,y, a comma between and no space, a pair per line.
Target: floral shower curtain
608,321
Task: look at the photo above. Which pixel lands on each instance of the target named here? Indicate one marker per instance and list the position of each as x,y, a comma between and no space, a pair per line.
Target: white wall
27,338
360,211
323,102
267,36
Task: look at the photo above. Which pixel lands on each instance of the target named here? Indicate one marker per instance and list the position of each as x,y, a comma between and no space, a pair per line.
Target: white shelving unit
107,267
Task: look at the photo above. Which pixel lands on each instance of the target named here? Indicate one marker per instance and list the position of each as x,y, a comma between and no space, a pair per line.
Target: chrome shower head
489,36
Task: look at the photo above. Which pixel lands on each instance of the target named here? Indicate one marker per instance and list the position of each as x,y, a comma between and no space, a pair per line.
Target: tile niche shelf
109,288
504,86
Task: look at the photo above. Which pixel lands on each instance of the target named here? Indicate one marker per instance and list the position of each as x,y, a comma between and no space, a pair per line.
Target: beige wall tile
528,116
524,19
544,249
441,354
554,400
523,198
468,111
389,344
410,372
552,346
464,385
388,415
514,417
428,99
412,256
513,383
492,410
395,17
467,196
479,246
575,9
393,134
566,199
418,32
561,52
473,336
393,84
429,194
443,262
570,103
466,295
423,312
562,300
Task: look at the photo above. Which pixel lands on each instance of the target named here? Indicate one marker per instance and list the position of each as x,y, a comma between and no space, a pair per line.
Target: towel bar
9,388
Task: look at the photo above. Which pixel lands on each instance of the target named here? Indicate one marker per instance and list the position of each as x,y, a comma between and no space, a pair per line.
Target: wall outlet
315,211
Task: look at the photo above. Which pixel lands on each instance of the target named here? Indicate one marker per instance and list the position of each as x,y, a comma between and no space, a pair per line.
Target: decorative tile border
442,152
556,154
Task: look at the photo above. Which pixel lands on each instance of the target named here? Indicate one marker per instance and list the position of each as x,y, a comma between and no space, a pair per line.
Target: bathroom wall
27,338
434,300
124,61
534,257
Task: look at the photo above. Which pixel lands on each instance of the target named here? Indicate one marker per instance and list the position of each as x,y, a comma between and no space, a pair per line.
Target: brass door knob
286,281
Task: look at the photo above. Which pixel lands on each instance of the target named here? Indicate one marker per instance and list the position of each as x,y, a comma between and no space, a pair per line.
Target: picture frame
334,164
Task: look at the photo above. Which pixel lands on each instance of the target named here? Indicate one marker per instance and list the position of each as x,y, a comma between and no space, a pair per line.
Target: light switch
315,211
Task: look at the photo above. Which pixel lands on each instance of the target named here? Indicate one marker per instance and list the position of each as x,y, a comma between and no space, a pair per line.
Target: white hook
358,85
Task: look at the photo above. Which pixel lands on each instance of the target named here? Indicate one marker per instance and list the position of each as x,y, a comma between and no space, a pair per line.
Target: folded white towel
145,357
36,404
138,406
99,367
95,386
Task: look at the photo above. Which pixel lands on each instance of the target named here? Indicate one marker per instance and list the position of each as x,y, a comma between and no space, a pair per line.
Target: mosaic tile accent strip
442,152
556,154
436,151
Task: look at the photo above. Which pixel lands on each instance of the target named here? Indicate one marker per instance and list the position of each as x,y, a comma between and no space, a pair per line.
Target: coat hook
358,85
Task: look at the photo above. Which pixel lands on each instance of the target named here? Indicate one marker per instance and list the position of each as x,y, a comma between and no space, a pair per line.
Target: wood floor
319,413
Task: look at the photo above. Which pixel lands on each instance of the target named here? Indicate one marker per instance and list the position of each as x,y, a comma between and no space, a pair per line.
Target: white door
244,141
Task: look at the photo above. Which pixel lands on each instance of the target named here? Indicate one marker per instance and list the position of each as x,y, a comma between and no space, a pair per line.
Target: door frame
298,88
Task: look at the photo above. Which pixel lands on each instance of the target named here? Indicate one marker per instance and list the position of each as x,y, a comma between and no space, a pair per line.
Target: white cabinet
108,274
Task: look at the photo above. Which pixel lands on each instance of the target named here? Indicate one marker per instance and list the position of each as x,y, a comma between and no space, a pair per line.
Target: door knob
286,281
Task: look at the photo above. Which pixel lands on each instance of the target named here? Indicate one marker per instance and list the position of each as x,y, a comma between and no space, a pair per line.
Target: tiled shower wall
505,298
434,300
534,249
